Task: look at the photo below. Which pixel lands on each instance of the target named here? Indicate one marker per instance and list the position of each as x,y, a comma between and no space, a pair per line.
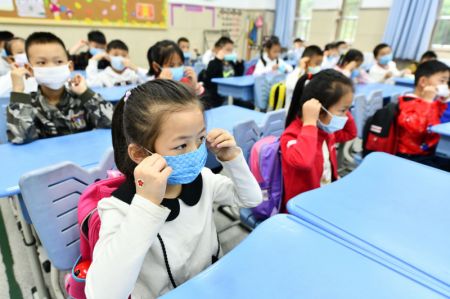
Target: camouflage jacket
30,116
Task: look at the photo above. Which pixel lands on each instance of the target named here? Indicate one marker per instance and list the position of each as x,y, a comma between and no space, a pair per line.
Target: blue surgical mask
187,55
117,63
314,69
186,167
177,73
3,53
355,73
282,68
230,57
384,60
95,51
336,123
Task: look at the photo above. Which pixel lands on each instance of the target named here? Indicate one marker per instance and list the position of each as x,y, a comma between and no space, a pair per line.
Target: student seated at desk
5,36
210,54
421,110
54,109
270,60
224,65
297,50
310,63
330,56
385,69
350,65
122,70
97,44
427,56
318,118
17,58
157,229
184,44
166,61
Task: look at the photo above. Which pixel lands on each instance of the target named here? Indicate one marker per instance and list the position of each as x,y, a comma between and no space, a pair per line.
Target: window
441,36
303,18
348,20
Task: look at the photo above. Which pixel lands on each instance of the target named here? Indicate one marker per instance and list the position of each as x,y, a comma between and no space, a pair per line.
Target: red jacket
415,117
302,156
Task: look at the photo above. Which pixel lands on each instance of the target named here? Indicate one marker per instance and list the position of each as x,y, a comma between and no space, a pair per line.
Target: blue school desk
287,258
115,93
408,82
393,208
389,90
236,87
443,148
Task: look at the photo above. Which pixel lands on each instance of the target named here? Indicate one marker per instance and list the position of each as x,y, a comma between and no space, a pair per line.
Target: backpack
380,131
277,96
89,223
265,164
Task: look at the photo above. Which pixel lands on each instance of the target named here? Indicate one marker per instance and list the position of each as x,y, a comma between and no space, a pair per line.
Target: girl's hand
222,144
151,178
165,74
78,84
190,73
311,112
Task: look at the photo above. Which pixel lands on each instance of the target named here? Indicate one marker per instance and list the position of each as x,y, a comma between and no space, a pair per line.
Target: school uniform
302,156
30,84
265,65
31,116
129,256
377,73
81,61
108,77
219,69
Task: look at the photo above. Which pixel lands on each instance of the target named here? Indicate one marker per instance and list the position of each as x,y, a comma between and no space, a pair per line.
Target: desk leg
35,265
230,100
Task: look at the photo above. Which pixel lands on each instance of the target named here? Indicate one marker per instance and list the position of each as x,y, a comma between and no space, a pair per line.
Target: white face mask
20,59
52,77
443,91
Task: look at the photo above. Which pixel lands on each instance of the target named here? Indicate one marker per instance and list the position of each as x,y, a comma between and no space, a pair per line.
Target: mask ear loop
149,152
324,109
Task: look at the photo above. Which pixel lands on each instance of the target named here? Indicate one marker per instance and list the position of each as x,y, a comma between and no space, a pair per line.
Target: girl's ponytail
296,104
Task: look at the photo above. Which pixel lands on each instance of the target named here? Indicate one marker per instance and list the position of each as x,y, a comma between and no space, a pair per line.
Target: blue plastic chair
246,134
274,123
51,197
358,111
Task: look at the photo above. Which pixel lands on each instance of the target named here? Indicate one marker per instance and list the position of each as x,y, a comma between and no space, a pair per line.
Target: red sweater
415,117
302,156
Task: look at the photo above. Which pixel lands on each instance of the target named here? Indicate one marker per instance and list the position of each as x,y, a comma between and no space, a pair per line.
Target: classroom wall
185,23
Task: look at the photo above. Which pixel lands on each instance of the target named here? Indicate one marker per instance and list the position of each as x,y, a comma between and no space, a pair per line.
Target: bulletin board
99,13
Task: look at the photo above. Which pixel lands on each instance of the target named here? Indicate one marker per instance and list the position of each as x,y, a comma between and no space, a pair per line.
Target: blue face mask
355,73
187,55
384,60
3,53
177,73
314,69
95,51
230,57
117,63
186,167
337,123
282,68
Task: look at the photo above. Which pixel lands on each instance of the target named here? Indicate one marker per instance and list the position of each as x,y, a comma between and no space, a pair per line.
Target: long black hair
138,118
351,55
268,44
160,53
327,86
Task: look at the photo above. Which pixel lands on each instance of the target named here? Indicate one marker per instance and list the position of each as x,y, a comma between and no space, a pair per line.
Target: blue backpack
265,164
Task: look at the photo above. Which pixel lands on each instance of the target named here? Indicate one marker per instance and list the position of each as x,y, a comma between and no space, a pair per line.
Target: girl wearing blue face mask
350,65
157,229
385,69
318,118
166,61
270,60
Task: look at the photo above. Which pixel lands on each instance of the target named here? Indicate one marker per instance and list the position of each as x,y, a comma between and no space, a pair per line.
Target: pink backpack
89,223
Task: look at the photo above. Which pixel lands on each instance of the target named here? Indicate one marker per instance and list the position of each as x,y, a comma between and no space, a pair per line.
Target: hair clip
127,95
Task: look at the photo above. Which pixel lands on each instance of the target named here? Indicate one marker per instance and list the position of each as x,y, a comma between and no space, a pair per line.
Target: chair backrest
394,98
261,91
374,103
249,63
3,126
358,111
51,197
274,123
246,134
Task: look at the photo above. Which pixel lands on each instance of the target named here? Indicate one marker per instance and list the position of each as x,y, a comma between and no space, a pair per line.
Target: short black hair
429,68
429,54
223,41
340,43
378,48
43,38
160,53
182,40
8,44
6,36
97,36
116,44
330,46
298,40
312,50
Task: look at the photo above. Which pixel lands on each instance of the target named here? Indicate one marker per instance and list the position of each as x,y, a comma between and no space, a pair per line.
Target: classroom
224,149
